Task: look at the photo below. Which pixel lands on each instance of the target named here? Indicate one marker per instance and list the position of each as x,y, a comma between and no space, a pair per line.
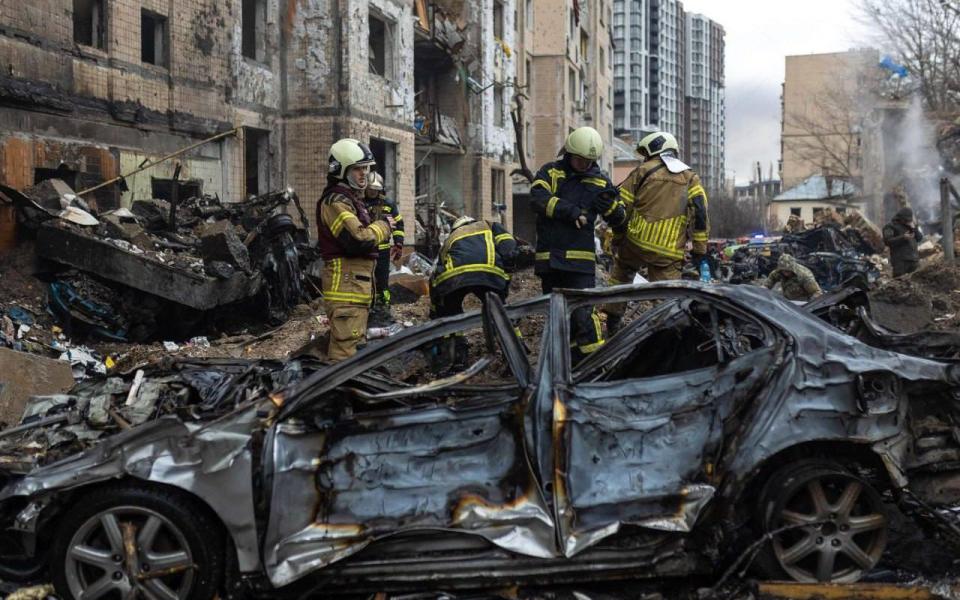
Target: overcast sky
759,33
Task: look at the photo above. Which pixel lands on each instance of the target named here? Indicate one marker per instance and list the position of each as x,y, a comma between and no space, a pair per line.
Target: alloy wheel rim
129,552
845,534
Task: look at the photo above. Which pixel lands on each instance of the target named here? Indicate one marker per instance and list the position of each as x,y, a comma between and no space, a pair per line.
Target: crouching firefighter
567,196
380,206
474,259
666,206
348,241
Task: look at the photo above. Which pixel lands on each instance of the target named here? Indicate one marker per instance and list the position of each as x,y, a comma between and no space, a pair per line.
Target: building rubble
129,274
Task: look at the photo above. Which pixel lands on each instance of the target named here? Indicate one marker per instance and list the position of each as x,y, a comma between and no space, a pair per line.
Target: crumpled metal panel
639,451
461,469
212,463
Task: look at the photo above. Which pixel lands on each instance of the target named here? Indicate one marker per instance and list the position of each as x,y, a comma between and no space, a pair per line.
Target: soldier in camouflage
796,281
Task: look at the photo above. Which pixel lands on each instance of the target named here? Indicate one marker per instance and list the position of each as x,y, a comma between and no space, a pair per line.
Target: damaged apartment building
94,89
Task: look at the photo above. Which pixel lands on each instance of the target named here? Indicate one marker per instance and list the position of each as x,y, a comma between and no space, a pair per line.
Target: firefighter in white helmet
348,240
380,206
666,206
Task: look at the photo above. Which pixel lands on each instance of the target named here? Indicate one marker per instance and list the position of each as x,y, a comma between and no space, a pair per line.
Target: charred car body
717,415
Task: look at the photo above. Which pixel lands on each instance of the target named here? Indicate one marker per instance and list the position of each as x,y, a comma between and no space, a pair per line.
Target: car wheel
837,524
124,542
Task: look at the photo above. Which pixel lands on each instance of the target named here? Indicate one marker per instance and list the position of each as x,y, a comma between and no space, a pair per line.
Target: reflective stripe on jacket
559,196
344,226
381,207
475,254
665,209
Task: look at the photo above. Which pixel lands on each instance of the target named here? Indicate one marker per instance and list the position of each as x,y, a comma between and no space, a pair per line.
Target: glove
396,252
604,202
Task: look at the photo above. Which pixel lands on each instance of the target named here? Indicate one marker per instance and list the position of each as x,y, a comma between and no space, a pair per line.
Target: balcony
436,130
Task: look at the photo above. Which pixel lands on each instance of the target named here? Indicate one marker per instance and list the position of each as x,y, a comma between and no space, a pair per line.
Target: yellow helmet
347,153
375,181
585,142
657,143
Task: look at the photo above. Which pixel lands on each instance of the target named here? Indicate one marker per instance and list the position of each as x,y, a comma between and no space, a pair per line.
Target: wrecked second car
716,415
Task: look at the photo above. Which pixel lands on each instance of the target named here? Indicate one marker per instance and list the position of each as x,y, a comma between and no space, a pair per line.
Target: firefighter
567,196
379,206
474,259
663,199
348,241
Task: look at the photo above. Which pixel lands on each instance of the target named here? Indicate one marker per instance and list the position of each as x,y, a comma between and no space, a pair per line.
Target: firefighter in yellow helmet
567,196
380,206
666,206
348,240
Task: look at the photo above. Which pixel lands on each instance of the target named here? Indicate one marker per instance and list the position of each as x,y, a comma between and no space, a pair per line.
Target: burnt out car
716,415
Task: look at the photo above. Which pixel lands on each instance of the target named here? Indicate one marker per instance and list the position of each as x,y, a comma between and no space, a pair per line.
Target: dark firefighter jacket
475,254
345,228
662,206
559,195
385,207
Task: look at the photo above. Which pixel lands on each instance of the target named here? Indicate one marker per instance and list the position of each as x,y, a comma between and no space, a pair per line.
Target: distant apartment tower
667,67
648,67
705,102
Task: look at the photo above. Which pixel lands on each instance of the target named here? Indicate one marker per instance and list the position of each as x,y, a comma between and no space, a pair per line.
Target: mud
928,298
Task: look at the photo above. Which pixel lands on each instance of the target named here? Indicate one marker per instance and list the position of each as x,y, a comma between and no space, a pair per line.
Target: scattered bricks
219,241
23,375
407,289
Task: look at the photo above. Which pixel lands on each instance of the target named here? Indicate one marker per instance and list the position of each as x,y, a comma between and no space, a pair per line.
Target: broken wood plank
850,591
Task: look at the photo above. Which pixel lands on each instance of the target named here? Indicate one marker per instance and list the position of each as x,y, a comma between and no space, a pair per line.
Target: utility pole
946,218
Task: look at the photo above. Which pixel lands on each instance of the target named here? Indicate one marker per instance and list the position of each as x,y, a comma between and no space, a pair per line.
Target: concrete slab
23,375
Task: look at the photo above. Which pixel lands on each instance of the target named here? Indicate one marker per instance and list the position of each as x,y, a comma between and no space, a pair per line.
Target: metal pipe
143,167
946,218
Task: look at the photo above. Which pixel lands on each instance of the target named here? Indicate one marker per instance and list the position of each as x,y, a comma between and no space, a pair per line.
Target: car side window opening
457,369
674,336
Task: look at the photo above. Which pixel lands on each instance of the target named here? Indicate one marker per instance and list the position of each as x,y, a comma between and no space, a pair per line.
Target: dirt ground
928,298
307,323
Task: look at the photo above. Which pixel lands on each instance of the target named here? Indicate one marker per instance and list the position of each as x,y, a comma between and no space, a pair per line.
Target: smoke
915,153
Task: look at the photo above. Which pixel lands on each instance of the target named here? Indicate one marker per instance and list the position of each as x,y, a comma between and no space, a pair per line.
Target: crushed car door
378,457
637,446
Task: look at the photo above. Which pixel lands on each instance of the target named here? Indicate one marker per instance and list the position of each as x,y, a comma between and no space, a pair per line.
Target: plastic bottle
705,271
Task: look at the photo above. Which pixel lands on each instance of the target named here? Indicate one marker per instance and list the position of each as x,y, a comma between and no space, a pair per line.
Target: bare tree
827,132
731,218
516,115
925,34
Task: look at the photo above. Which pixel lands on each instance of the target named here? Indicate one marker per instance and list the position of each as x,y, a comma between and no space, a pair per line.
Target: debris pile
131,274
838,251
193,391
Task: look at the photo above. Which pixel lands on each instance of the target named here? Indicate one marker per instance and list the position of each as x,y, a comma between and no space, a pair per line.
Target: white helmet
375,181
347,153
460,222
657,143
